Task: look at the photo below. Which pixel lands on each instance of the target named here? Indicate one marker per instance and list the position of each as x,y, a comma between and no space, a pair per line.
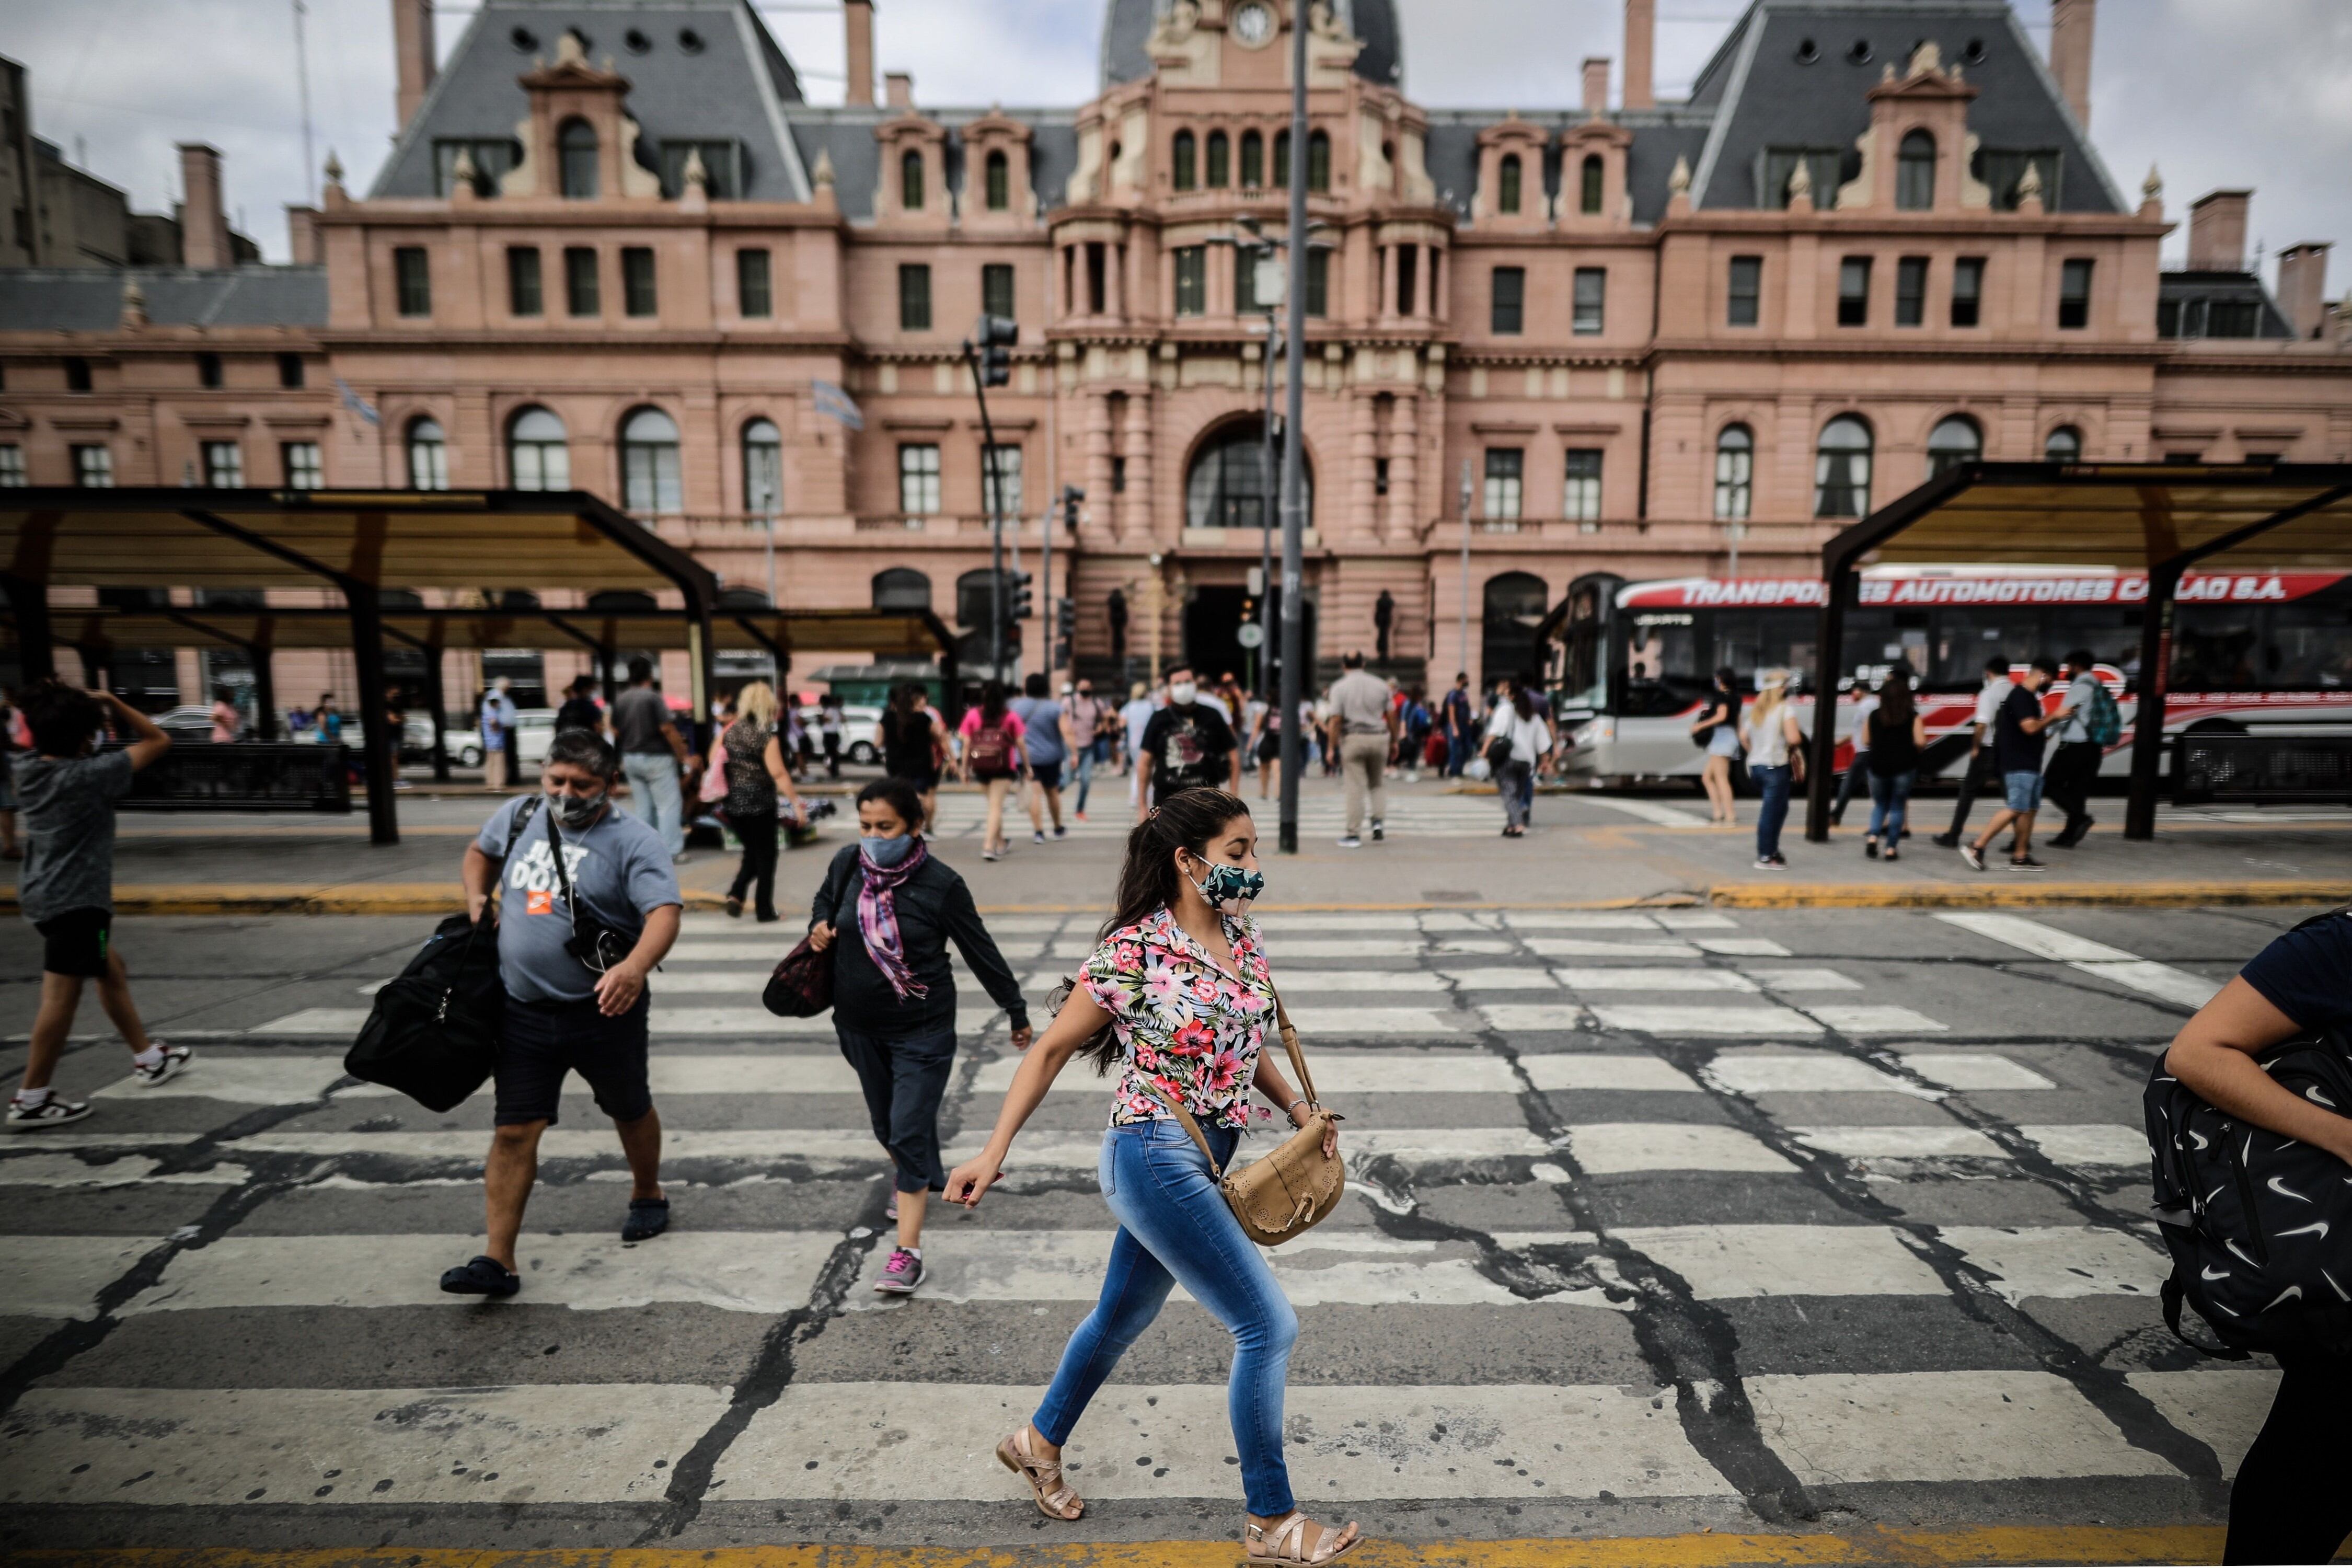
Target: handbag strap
1297,1064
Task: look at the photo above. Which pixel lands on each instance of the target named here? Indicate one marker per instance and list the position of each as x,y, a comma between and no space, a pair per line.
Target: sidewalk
1588,850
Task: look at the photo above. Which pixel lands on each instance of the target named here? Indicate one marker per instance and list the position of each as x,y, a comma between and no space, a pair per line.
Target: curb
1966,896
1867,1545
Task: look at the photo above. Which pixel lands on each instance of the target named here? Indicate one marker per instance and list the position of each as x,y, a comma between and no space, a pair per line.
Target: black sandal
649,1217
485,1275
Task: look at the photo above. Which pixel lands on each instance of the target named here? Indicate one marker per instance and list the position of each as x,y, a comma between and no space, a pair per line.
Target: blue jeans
660,804
1457,754
1173,1225
1890,802
1772,783
1082,764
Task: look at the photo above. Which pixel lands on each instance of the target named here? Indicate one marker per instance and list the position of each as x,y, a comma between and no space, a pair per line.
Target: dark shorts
1046,773
75,942
543,1040
1269,746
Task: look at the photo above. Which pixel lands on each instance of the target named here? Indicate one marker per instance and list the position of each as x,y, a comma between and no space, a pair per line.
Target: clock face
1253,25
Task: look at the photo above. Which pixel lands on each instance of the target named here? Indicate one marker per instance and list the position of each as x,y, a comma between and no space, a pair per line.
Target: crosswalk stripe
1861,1019
1587,947
1660,816
1682,979
1328,1266
2062,1260
1339,1074
2223,1410
2090,1144
2161,981
1724,1261
62,1170
1933,1141
1345,1444
739,1272
1354,1021
537,1443
60,1276
1605,1070
1817,1072
1501,978
1836,1428
1618,1148
1670,1018
1967,1071
1804,980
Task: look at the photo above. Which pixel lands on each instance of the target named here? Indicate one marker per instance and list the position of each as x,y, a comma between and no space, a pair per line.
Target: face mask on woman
886,852
1228,887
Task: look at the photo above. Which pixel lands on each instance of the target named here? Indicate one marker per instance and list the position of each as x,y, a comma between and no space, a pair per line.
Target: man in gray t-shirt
562,1014
1045,740
68,792
1363,720
652,754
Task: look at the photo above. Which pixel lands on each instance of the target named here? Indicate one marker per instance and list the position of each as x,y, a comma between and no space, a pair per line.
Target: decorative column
1363,453
1404,469
1103,505
1135,516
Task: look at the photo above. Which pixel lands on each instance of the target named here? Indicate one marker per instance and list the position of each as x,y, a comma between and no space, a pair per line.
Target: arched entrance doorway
1228,486
1515,602
1213,618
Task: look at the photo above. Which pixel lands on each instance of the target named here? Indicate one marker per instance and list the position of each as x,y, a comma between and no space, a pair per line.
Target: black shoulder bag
593,943
801,986
433,1033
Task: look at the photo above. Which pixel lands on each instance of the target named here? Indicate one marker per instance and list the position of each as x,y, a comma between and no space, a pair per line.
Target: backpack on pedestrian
2103,721
433,1033
2259,1226
989,750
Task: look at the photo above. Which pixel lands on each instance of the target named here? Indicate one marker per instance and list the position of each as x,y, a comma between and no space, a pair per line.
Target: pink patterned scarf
877,919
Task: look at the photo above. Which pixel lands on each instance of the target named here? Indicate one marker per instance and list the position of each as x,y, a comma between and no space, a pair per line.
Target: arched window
1841,469
537,457
910,179
649,481
428,456
1318,161
1589,181
1914,172
1735,472
1952,442
1183,156
999,181
1507,184
1226,486
1221,161
1282,160
763,468
1515,603
2064,446
1252,161
576,151
902,588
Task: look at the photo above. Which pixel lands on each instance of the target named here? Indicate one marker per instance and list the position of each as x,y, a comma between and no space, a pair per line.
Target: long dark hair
1523,701
1894,704
992,703
1149,880
908,699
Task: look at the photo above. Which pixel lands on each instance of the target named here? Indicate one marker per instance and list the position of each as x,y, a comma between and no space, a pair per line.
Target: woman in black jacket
887,911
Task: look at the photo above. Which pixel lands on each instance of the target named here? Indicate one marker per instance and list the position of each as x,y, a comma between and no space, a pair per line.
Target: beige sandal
1045,1478
1283,1541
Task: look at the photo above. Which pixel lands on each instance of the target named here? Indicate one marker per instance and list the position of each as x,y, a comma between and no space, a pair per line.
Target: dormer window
998,180
1182,154
491,159
910,179
1507,184
1914,172
2002,171
1590,179
576,152
722,168
1221,164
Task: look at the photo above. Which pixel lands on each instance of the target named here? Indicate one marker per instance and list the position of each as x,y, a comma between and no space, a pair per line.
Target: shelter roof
884,633
143,537
2279,517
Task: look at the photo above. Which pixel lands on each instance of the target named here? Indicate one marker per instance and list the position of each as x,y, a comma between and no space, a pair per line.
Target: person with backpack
2019,736
69,789
2088,723
2289,1503
887,913
590,905
1047,742
913,741
1518,741
992,758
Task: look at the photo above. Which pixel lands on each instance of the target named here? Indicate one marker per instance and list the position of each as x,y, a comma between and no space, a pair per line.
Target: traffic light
1018,606
996,336
1071,495
1065,619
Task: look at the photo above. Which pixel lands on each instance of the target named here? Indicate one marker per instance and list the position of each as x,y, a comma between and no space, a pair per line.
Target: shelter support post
699,644
1827,658
36,654
436,695
2155,673
379,747
265,692
605,676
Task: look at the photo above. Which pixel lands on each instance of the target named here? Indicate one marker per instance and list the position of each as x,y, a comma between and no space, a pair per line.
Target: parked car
858,729
188,722
534,731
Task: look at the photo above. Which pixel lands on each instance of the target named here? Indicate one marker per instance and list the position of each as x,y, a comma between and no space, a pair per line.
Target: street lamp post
1294,522
1266,523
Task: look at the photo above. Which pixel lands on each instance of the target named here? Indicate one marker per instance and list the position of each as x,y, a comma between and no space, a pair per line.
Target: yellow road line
1857,1548
2007,894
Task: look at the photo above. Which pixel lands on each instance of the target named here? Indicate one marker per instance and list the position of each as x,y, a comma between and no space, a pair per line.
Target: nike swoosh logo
2279,1187
2317,1227
2214,1274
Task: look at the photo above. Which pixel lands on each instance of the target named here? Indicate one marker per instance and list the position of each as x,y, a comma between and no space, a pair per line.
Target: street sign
1250,635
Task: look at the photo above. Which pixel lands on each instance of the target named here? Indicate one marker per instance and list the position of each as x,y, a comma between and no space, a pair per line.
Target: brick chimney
897,89
302,245
412,44
2303,287
858,16
203,224
1596,84
2217,231
1641,48
2071,22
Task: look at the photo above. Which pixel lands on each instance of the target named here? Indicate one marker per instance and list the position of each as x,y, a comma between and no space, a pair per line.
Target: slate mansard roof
708,70
90,300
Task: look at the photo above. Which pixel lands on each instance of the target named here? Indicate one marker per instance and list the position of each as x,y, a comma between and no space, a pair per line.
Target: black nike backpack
2259,1226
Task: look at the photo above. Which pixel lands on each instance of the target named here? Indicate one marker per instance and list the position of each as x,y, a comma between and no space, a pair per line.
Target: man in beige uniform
1363,725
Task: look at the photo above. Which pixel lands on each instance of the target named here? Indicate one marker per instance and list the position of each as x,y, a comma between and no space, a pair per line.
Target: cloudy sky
2214,92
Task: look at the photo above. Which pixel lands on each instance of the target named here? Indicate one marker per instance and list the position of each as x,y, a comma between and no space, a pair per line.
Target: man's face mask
576,811
1183,691
1228,887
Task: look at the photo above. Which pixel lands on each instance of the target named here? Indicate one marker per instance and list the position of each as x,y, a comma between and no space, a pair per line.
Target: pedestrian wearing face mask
1186,746
576,940
1178,999
887,911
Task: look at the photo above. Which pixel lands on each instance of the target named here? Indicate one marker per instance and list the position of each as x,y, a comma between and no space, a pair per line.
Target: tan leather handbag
1295,1188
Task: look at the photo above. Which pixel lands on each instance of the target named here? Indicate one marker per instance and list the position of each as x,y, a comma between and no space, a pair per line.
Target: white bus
1635,659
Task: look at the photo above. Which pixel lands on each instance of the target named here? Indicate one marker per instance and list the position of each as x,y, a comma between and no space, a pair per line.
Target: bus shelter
2158,519
358,543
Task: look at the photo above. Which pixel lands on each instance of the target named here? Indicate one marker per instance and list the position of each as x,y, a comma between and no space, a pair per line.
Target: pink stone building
613,249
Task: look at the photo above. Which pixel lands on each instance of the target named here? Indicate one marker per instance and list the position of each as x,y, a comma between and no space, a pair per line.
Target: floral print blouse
1187,1024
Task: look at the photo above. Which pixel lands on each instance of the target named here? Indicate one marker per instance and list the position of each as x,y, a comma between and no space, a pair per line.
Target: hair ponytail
1150,882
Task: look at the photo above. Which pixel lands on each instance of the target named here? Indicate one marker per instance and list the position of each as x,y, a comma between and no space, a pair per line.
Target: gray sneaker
1351,842
901,1274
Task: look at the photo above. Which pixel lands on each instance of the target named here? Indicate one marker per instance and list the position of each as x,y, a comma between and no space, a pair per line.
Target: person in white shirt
1775,761
1982,771
1142,703
1517,721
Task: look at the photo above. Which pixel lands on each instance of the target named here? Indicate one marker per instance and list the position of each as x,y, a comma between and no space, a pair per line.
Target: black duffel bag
433,1033
2259,1225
